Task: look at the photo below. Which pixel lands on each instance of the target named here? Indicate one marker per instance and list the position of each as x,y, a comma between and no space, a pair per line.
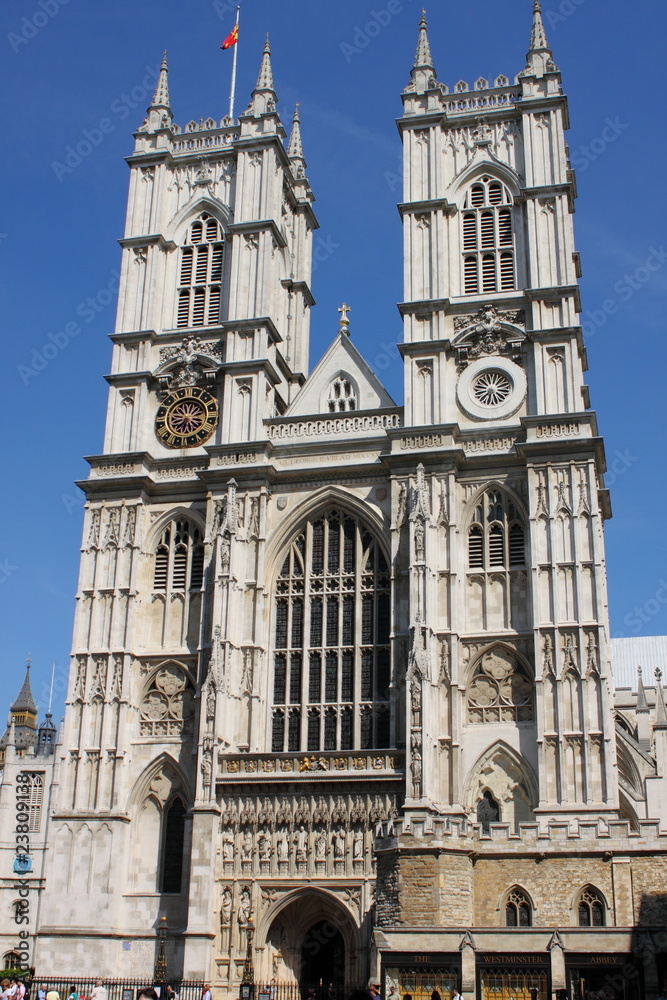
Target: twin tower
336,660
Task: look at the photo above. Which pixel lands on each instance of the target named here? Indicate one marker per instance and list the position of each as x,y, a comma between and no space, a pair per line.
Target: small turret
643,714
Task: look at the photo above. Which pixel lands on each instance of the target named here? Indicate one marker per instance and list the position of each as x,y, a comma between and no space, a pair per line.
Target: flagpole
232,94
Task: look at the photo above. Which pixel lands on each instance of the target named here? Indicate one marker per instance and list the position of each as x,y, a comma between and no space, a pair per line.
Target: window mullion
305,670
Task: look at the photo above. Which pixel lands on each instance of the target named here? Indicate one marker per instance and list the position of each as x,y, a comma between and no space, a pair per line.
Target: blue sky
67,65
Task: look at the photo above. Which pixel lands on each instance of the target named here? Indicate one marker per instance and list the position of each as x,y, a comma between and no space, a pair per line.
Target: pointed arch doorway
312,942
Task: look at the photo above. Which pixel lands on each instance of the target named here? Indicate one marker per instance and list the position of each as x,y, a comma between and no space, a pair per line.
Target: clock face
186,418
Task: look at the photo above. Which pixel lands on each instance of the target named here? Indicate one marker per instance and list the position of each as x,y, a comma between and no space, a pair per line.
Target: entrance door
322,963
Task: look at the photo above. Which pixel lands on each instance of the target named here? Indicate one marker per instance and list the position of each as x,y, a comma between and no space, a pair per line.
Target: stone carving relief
500,690
190,363
167,708
489,332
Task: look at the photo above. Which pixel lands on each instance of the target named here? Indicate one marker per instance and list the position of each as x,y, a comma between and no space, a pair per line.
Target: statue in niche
246,846
416,699
226,908
339,845
488,811
283,845
320,846
244,908
358,845
264,846
301,841
419,540
227,846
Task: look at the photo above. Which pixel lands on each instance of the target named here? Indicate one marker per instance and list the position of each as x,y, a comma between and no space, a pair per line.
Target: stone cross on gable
344,310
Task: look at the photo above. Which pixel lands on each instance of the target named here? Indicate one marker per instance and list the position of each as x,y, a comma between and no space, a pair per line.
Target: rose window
492,388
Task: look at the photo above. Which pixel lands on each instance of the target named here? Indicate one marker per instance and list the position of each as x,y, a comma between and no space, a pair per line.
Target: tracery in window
500,689
518,911
331,640
35,800
342,396
591,908
167,708
179,558
496,538
200,275
487,238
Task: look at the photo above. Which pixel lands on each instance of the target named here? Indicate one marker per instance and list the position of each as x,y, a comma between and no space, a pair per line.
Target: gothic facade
340,702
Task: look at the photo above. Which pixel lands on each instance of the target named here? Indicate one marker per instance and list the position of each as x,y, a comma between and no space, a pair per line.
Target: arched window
496,538
12,960
34,803
179,558
591,909
172,849
487,238
331,667
518,911
342,396
200,276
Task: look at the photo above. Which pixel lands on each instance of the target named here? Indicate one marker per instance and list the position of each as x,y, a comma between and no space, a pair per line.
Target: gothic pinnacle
265,78
538,37
538,58
295,146
423,57
161,96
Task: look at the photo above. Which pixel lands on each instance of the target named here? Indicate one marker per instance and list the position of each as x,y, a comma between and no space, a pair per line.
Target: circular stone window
491,388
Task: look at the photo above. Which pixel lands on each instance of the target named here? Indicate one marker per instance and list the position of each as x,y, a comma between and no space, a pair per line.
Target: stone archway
313,941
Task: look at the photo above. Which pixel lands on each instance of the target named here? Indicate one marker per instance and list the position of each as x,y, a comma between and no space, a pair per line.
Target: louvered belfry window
496,535
200,276
331,662
488,239
179,558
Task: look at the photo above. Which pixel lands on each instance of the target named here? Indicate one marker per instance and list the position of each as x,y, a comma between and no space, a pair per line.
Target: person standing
53,994
100,991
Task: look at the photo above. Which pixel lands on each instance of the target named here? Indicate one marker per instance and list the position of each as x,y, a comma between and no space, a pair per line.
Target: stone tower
340,701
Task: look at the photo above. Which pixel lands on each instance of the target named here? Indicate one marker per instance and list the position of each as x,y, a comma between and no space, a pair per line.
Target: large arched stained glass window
331,657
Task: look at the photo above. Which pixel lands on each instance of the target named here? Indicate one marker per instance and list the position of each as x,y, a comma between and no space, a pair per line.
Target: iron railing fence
117,989
299,991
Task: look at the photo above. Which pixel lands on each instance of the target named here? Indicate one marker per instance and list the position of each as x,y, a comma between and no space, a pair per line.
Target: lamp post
248,981
160,970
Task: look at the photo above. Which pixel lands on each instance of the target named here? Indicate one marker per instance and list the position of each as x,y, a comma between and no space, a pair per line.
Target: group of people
12,989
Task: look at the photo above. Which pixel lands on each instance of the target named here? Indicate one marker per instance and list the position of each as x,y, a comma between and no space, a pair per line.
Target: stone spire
295,147
265,78
423,71
264,96
538,58
159,110
24,701
642,704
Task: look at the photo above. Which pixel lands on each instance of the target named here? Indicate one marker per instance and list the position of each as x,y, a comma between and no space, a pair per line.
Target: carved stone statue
265,848
487,811
419,540
358,846
244,908
226,908
320,846
283,845
227,846
339,844
246,846
301,841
